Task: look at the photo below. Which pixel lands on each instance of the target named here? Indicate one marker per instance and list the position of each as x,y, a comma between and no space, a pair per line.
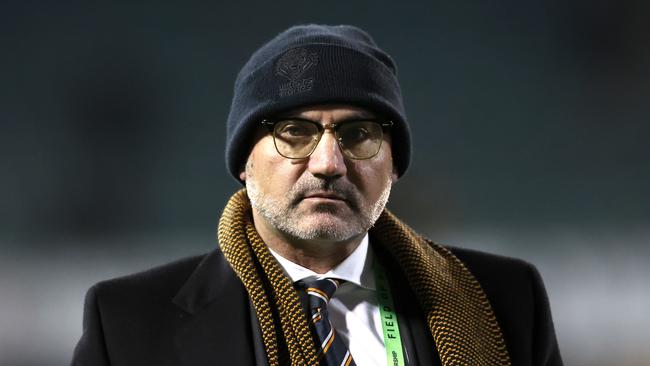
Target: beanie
309,65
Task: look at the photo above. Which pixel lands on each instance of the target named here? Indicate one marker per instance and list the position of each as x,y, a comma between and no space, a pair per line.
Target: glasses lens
295,139
360,139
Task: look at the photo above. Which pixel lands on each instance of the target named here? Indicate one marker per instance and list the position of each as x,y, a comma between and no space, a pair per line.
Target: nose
327,160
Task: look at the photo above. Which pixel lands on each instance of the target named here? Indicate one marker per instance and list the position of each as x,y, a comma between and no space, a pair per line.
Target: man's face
326,196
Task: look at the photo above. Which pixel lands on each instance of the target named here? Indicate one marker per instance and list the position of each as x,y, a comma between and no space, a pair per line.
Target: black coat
196,312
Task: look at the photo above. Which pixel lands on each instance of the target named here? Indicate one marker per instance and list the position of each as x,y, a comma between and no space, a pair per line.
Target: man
311,269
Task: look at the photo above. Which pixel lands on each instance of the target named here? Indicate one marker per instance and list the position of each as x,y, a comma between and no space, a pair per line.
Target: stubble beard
285,215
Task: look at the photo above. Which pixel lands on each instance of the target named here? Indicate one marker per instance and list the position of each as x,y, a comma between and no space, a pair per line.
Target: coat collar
211,277
214,325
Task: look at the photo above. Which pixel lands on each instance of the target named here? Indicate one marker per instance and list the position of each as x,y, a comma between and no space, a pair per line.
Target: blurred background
530,124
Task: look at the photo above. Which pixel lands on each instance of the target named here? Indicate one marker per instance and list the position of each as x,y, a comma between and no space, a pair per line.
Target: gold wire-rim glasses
313,132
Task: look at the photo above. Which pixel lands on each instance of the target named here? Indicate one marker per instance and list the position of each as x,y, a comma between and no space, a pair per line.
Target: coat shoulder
156,283
483,263
168,315
508,282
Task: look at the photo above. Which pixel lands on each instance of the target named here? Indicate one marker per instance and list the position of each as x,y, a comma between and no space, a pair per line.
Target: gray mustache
303,188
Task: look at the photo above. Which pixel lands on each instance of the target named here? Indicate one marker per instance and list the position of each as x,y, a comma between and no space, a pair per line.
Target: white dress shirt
353,310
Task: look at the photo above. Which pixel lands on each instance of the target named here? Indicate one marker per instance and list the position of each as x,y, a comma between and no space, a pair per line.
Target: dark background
530,124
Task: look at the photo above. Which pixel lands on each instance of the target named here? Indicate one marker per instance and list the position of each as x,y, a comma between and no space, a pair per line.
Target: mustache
305,186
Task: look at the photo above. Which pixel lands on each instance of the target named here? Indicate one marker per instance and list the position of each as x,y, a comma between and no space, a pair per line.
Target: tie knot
321,291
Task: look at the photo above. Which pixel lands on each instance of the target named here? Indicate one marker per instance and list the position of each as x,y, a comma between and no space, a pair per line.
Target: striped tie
333,351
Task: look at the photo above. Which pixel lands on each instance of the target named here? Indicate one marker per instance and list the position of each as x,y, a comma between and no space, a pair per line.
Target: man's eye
355,135
294,130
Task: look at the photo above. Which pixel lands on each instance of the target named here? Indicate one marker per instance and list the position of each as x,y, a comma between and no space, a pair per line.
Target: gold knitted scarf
458,313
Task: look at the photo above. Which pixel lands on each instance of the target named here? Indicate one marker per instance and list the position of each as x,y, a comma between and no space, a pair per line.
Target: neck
318,255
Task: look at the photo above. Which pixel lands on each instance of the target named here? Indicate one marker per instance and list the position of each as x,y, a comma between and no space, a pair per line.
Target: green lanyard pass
392,339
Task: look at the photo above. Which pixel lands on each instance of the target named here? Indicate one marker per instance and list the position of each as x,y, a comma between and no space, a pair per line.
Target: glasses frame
270,124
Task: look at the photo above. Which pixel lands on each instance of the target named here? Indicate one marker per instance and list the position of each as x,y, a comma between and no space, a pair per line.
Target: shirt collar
356,268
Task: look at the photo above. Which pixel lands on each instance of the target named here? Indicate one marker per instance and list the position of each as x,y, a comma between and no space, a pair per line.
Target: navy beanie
309,65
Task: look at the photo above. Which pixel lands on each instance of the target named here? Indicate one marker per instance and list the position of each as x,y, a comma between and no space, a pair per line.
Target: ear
393,175
242,175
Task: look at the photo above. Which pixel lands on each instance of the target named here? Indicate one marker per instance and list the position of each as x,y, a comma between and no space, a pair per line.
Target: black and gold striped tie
333,351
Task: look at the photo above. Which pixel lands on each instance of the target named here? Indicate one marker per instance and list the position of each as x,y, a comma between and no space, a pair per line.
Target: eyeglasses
297,138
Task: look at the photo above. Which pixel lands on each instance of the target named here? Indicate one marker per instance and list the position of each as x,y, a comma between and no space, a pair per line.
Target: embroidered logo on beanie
293,65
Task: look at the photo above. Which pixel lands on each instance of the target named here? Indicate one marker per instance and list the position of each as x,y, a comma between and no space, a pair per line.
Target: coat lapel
214,324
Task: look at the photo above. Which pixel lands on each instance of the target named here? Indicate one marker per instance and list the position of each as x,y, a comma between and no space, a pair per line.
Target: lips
325,195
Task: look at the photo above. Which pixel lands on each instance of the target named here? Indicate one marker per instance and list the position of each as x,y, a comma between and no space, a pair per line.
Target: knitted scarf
457,310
